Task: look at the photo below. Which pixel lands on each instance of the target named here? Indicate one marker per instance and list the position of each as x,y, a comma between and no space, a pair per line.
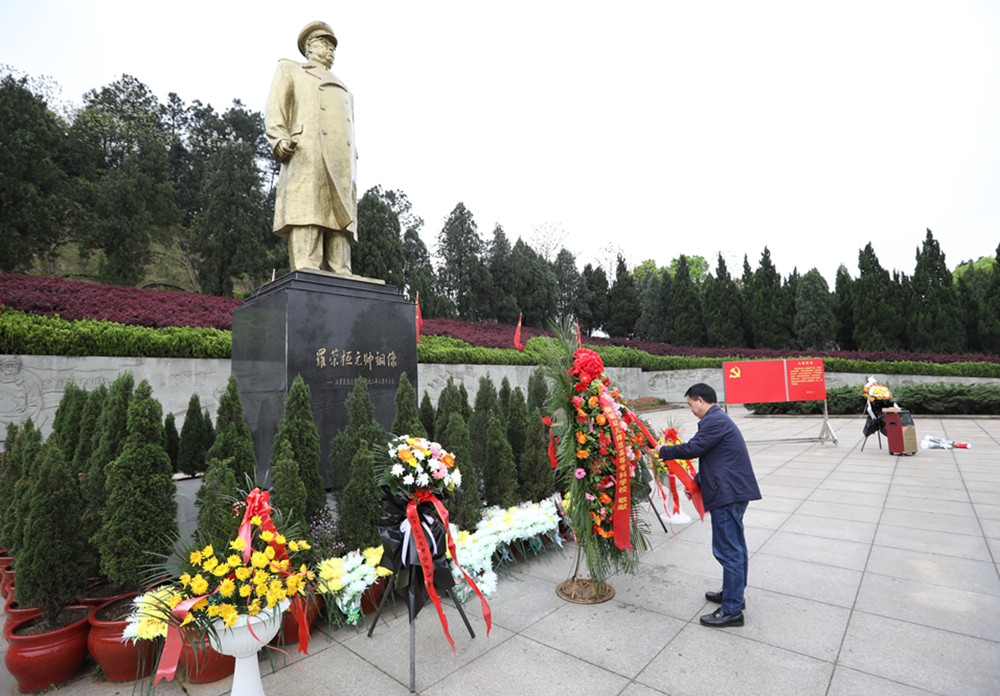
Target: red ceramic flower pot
5,561
38,661
119,661
203,664
100,593
6,583
17,613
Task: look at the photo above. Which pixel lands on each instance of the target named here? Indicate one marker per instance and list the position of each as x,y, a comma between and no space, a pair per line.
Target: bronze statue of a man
310,128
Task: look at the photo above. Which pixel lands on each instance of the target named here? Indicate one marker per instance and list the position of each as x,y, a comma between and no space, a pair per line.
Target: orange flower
601,420
593,401
605,498
582,454
449,460
581,437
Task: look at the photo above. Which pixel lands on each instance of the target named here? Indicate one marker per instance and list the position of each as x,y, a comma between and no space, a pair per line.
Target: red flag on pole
420,319
579,341
517,334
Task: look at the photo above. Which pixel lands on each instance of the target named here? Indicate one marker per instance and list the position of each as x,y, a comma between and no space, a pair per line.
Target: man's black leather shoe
717,598
720,620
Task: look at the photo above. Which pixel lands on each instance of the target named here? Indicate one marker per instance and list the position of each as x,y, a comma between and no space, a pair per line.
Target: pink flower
580,473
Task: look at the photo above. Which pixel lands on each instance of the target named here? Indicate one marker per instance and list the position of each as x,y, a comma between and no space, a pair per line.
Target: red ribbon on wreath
427,562
621,518
677,470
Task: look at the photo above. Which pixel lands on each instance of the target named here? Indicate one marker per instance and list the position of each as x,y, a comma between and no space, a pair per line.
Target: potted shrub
49,648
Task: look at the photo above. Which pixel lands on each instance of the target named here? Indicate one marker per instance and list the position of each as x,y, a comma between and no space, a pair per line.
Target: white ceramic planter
239,642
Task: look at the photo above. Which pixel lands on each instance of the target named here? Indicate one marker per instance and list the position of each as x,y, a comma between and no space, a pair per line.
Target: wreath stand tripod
411,604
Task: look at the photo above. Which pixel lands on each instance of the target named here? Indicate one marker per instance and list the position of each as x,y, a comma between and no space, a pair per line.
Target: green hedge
918,399
22,333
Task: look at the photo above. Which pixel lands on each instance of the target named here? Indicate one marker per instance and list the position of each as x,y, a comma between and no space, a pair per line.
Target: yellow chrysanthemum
280,539
255,520
195,558
269,552
228,613
294,584
293,546
304,545
208,551
199,585
210,563
372,555
185,578
259,559
267,536
227,587
243,573
260,577
237,544
234,561
245,590
221,570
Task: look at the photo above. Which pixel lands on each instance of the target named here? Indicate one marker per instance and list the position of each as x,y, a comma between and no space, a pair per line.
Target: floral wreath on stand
598,444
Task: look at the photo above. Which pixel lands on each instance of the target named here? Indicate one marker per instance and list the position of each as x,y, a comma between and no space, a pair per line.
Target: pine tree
407,420
652,322
514,419
23,445
935,323
536,478
723,309
769,318
503,304
359,512
289,489
877,314
989,318
463,276
233,441
486,408
48,569
595,282
467,506
171,439
622,303
464,403
191,449
214,501
379,251
815,321
427,415
498,469
535,287
503,398
298,427
66,424
109,441
141,509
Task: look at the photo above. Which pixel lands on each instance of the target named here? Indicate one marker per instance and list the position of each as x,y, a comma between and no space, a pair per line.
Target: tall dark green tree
567,284
687,327
652,322
770,320
66,424
844,308
171,439
109,439
361,425
535,287
486,406
23,445
214,502
298,427
815,321
232,223
358,514
878,318
722,304
515,422
379,251
290,495
467,505
463,277
972,283
420,280
989,318
427,415
500,485
503,304
449,401
141,509
535,475
34,194
934,319
623,301
595,284
538,391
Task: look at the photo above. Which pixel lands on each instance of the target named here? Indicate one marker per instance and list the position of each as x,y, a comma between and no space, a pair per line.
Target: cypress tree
88,429
815,321
10,473
723,309
208,432
498,470
214,500
427,415
141,509
769,318
503,398
48,569
622,303
652,322
536,478
538,391
878,317
686,324
515,422
467,506
361,425
22,447
298,427
361,508
191,449
934,323
844,309
233,441
290,494
171,439
479,425
449,401
407,420
463,402
989,318
66,424
109,439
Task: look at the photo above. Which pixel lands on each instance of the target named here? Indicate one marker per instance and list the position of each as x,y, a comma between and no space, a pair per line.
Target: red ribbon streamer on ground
621,519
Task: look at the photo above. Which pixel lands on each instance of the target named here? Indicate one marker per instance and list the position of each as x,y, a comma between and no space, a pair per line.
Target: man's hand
284,150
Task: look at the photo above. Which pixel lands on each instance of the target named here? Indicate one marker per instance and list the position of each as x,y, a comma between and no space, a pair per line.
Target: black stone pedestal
331,330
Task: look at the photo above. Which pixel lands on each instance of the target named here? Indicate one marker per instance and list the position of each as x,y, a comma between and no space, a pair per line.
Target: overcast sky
659,128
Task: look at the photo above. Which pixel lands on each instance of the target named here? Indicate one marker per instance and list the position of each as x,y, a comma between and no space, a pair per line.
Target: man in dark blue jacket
727,483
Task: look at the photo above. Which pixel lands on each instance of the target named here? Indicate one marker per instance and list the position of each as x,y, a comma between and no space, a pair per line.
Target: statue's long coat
317,186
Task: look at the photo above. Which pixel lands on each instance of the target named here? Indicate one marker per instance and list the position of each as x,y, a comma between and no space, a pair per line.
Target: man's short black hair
702,391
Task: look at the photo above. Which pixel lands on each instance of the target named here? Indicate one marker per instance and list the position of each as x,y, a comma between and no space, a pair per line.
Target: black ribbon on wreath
400,548
875,419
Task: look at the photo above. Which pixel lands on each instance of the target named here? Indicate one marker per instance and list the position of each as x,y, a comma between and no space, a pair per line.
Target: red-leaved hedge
75,299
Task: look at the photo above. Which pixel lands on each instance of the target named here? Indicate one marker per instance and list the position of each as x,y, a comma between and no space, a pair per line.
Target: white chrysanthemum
423,480
397,470
408,480
456,477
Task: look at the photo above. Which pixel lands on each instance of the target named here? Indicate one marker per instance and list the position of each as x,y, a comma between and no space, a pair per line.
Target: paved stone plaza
869,574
